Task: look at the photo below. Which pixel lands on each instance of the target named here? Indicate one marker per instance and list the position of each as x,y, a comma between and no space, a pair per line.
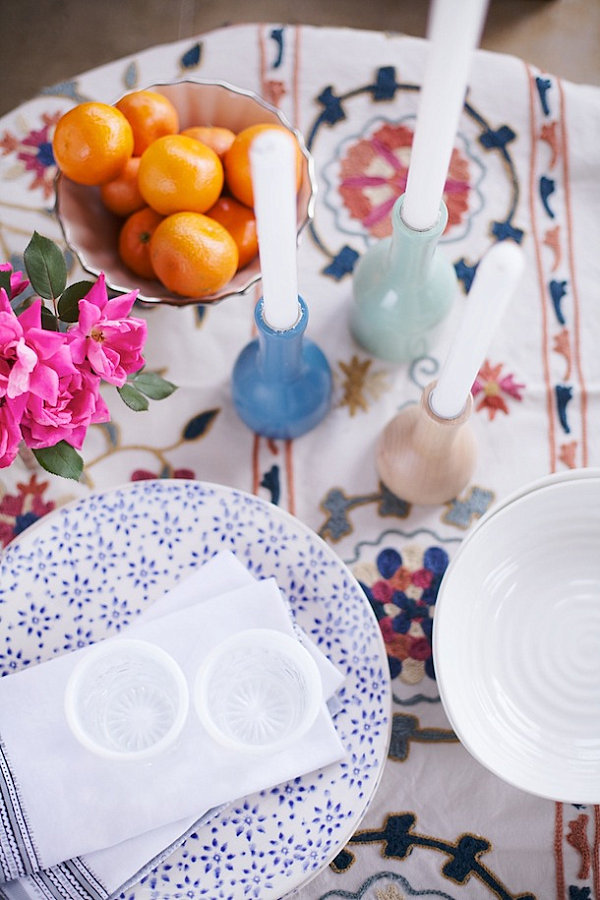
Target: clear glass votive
126,699
258,691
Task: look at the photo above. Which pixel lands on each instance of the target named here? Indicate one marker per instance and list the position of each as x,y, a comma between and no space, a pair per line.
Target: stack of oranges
185,196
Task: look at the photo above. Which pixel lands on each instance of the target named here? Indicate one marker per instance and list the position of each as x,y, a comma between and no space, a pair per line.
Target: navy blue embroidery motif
406,728
342,264
277,36
191,57
558,289
543,85
564,395
547,188
271,482
385,84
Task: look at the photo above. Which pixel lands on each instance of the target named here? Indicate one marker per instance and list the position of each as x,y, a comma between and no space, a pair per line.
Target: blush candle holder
402,290
426,454
424,458
281,380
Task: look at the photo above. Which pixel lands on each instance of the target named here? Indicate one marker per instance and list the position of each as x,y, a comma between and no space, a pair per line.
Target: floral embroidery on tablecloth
491,388
373,175
402,589
33,152
18,511
360,383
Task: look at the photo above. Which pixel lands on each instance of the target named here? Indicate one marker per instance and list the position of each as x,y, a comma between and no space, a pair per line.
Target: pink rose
77,406
35,357
18,282
105,335
10,432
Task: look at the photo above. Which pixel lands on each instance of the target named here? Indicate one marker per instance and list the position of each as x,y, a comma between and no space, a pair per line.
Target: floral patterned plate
90,568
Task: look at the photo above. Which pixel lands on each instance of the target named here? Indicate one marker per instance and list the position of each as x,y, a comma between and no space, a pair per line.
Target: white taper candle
495,280
454,31
273,169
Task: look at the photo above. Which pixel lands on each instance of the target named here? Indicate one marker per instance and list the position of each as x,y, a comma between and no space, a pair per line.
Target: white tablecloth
526,167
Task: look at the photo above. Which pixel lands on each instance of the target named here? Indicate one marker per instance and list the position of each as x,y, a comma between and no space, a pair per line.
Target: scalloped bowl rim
306,214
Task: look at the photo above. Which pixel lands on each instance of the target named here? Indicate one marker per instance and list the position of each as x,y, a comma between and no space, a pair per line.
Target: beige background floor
46,41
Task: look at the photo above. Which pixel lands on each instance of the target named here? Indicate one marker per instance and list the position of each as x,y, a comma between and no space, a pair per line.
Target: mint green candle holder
402,290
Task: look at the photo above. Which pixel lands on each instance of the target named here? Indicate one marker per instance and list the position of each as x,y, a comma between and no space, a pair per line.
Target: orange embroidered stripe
558,852
596,852
296,86
572,279
289,474
255,467
538,257
261,59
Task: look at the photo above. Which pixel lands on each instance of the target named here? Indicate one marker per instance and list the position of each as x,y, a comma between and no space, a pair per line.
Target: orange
193,255
134,241
217,138
122,194
178,173
237,162
240,222
92,142
151,115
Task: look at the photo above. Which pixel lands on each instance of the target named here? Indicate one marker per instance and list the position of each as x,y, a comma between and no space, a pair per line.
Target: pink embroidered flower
492,386
78,405
373,175
18,282
107,336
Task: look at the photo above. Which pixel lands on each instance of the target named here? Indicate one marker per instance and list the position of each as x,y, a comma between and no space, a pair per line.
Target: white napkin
52,771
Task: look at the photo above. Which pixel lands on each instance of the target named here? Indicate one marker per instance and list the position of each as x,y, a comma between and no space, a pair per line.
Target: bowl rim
175,300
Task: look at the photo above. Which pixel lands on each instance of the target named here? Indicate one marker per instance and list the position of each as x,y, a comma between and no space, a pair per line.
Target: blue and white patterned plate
89,569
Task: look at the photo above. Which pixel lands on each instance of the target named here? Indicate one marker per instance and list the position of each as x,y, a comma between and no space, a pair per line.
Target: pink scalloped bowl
91,231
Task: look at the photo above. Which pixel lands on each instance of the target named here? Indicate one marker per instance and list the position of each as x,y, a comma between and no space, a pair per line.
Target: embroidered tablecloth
526,167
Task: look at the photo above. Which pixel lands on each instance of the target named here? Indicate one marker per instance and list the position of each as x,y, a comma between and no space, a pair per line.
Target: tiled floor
46,41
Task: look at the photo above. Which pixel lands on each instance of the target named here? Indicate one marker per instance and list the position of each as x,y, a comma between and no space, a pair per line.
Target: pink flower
107,336
34,357
10,432
18,282
493,385
78,405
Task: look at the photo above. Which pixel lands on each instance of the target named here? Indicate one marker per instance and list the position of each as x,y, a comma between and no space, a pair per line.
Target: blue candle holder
402,291
282,381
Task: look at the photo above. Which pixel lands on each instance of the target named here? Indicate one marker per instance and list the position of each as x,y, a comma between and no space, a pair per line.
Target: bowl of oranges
155,190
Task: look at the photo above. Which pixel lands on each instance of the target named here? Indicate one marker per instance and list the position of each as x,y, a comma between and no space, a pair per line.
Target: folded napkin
44,767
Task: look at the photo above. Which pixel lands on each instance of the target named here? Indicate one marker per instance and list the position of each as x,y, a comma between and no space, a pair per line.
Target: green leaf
5,280
49,320
153,385
68,305
46,267
133,398
62,459
200,424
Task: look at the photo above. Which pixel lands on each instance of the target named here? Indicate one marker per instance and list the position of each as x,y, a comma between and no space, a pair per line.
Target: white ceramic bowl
516,639
126,699
258,691
91,231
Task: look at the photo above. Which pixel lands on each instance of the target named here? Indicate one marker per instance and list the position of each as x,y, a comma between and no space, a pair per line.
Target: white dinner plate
87,570
516,641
